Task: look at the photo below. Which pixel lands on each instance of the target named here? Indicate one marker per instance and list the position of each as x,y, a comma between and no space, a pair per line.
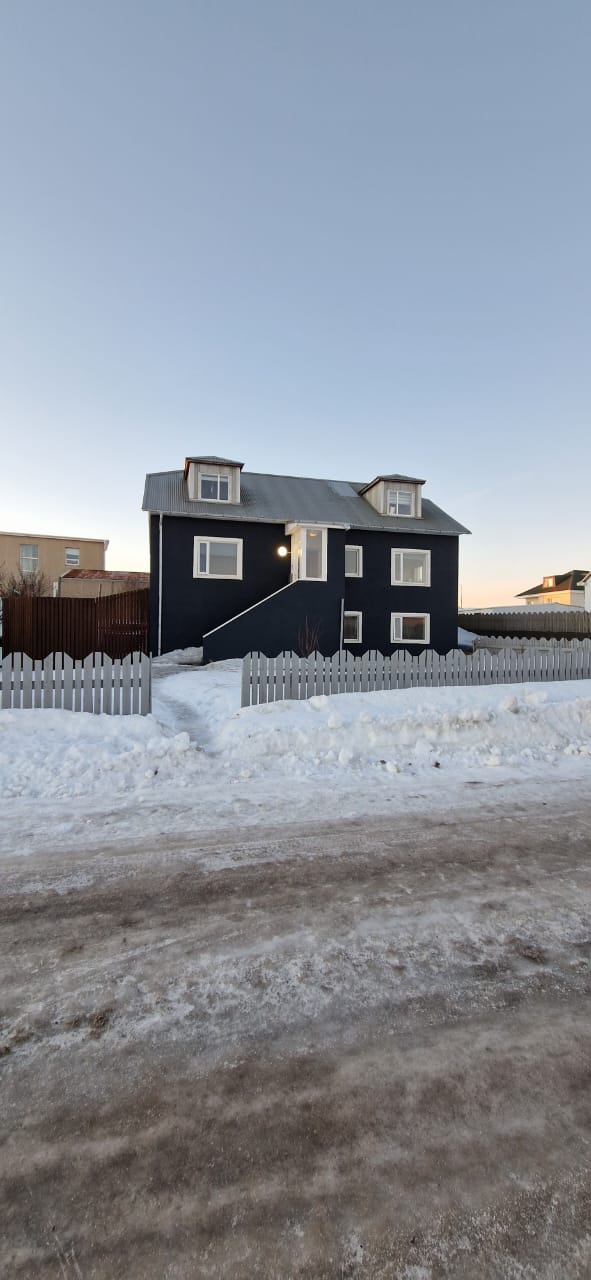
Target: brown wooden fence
38,625
569,625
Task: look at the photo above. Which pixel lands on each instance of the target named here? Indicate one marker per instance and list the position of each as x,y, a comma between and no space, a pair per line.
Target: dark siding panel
191,606
154,582
375,597
303,610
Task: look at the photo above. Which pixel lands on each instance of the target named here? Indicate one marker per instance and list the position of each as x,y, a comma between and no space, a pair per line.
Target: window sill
220,577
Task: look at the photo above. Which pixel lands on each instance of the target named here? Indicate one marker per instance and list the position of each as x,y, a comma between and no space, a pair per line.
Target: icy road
355,1049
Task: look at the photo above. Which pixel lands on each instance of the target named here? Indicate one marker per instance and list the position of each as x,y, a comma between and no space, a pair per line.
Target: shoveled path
356,1049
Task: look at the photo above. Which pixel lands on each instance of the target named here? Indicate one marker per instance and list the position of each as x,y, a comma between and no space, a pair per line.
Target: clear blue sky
324,237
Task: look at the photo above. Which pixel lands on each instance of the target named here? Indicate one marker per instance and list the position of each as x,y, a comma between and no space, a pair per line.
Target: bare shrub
18,583
308,637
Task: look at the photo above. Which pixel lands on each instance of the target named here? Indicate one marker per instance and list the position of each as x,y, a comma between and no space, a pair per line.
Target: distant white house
559,588
587,588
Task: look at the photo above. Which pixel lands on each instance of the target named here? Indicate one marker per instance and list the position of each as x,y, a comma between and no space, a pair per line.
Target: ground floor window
217,558
409,628
352,628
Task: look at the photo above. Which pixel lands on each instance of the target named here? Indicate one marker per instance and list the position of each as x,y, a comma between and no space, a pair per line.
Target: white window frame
349,546
353,613
200,573
398,617
215,475
402,515
75,562
28,547
405,551
298,552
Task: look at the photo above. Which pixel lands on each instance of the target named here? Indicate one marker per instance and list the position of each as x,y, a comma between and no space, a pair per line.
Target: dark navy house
241,561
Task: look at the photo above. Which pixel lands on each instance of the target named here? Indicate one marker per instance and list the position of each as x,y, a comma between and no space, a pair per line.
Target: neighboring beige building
90,583
49,555
558,588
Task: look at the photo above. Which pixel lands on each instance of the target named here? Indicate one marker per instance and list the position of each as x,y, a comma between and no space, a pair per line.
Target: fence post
246,672
6,678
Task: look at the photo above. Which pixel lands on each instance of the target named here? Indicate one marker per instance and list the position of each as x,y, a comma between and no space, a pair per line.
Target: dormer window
401,502
394,495
549,582
214,488
213,480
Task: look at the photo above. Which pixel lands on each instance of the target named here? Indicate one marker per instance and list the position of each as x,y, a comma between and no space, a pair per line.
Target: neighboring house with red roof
90,583
559,588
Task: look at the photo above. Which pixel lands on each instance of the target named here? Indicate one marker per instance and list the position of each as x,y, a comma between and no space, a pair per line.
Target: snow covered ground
268,973
200,762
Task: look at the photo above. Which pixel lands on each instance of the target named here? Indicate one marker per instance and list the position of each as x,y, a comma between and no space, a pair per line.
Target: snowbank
64,754
412,729
199,736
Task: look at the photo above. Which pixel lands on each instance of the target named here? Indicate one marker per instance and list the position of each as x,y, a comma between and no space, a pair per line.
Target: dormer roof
213,461
402,479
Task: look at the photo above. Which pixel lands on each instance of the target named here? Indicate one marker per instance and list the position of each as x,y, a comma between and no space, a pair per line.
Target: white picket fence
529,642
287,676
99,684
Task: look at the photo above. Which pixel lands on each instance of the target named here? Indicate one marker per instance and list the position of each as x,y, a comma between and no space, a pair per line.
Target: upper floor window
549,582
401,502
211,479
411,568
394,495
73,557
214,488
308,553
353,562
29,557
217,558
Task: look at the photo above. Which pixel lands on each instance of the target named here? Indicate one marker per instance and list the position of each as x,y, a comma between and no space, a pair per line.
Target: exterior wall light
282,551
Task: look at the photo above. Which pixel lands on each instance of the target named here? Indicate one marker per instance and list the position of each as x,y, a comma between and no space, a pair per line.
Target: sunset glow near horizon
326,240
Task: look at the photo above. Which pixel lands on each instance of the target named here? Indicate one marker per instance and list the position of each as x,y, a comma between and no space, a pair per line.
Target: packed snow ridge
199,740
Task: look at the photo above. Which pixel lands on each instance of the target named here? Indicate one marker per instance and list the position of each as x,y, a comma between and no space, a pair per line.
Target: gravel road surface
336,1050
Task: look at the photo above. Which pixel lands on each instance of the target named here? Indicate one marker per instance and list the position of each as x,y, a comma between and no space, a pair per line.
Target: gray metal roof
281,499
